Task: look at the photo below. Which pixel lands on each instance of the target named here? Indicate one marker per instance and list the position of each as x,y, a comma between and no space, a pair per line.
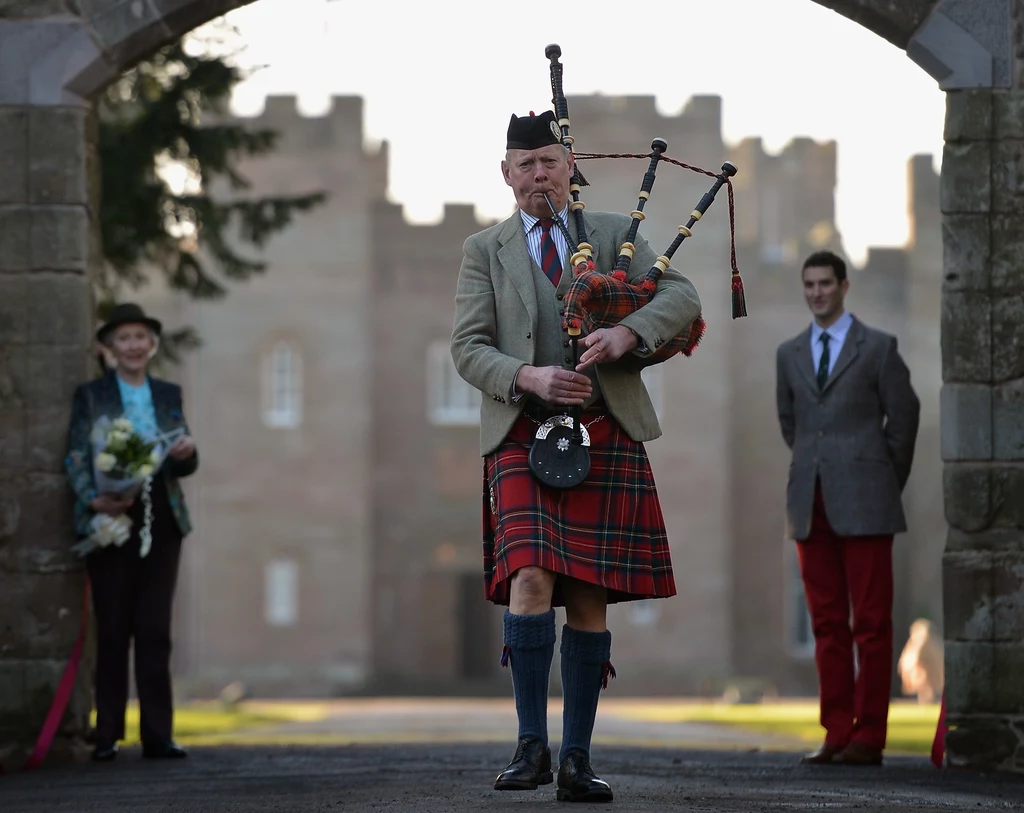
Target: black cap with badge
533,132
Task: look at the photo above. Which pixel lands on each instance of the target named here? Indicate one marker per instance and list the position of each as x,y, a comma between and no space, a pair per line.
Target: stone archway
55,55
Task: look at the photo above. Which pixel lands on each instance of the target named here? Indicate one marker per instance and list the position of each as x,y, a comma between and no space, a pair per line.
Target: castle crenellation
340,128
698,110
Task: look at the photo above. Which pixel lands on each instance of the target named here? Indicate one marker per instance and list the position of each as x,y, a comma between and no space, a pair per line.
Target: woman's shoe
104,751
163,750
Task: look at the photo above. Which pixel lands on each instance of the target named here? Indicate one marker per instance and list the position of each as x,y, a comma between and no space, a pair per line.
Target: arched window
281,593
799,633
654,381
451,401
282,386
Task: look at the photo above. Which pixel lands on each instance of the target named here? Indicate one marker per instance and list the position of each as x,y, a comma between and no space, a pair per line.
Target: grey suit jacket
496,319
857,435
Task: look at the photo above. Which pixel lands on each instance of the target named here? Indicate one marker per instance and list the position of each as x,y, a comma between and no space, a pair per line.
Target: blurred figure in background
850,415
921,666
132,578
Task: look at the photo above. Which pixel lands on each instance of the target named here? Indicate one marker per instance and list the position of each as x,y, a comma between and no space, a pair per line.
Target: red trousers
841,573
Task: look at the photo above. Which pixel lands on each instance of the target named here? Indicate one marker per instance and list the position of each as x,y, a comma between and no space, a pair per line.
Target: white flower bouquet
122,458
123,464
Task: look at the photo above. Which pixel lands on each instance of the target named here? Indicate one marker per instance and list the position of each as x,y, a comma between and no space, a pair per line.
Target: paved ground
452,777
442,755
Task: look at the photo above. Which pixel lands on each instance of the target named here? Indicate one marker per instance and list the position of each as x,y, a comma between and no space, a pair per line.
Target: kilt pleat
608,531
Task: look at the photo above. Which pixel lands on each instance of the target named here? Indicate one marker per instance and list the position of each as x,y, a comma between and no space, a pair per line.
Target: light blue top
138,408
836,337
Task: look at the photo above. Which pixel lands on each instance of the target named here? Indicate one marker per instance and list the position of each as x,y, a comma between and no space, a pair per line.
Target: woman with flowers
128,445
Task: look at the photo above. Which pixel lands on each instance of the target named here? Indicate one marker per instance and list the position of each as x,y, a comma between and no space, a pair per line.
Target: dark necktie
823,364
550,262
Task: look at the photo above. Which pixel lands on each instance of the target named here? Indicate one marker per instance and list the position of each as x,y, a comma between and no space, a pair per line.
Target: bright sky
440,80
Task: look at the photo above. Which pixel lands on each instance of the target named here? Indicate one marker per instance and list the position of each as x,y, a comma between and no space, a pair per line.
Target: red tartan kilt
609,530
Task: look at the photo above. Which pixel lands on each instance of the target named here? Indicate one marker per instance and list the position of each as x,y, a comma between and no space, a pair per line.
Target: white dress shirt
836,337
533,236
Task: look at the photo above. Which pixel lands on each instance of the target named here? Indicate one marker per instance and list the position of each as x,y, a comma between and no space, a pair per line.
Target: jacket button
568,360
529,335
562,312
559,297
565,343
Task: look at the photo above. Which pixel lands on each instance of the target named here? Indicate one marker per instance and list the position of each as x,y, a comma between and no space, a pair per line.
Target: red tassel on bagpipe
607,671
739,301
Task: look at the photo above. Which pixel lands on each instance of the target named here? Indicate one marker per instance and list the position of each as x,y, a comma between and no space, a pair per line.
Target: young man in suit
603,540
850,415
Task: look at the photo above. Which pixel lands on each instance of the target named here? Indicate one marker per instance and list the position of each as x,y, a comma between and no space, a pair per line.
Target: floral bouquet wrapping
123,464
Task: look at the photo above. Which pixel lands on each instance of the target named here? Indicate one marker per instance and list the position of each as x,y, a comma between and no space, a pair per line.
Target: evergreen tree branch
167,118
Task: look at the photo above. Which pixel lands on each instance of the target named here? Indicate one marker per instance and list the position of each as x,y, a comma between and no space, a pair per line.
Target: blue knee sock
530,646
584,655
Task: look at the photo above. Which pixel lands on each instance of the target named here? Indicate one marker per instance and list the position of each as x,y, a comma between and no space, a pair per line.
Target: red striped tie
550,261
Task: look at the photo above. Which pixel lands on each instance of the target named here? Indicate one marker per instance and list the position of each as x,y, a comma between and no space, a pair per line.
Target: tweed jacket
102,397
496,318
856,435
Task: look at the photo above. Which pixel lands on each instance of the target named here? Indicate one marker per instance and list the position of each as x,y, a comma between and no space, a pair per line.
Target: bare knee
532,588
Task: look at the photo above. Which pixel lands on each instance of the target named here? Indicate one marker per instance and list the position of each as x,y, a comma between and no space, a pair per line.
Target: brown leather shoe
857,753
826,755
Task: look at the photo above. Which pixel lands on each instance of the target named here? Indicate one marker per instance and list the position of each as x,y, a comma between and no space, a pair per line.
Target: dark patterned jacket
102,397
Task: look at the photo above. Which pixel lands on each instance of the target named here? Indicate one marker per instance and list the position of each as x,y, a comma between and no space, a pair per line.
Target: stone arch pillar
976,54
55,55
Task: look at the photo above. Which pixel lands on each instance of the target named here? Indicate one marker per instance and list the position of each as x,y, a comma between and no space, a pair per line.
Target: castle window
451,400
282,387
799,632
772,253
654,380
643,613
281,593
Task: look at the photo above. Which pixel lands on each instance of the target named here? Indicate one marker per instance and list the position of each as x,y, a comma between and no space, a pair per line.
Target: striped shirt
534,233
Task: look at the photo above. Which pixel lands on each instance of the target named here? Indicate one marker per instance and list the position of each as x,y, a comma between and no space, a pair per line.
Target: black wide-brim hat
127,313
533,132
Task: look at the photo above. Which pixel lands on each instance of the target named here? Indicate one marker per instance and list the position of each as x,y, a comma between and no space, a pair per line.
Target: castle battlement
340,128
628,124
799,147
699,109
922,184
460,218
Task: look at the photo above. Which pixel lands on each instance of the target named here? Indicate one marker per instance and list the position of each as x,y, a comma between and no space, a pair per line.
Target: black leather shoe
104,751
578,783
163,750
531,766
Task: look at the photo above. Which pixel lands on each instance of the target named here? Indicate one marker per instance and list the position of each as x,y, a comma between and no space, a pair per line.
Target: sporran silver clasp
555,459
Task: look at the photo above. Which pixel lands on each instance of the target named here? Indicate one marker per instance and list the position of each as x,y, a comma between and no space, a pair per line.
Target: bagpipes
596,300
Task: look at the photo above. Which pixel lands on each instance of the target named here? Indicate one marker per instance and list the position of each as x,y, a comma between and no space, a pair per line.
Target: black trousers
132,598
